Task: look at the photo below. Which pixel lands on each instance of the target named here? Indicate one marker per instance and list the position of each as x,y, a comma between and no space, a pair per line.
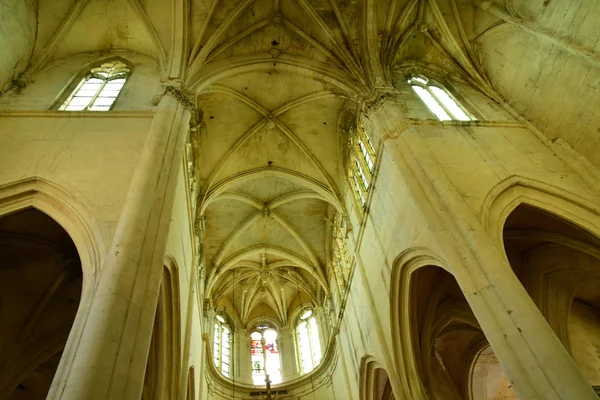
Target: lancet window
222,345
265,355
361,164
98,89
307,336
438,99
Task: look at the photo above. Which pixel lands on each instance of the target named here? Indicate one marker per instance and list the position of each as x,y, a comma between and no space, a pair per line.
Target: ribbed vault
271,78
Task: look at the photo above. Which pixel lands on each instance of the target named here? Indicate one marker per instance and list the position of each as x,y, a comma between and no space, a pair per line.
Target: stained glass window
222,345
99,89
438,99
309,348
265,355
362,164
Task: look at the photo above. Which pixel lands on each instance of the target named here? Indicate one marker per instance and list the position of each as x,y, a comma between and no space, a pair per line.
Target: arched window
307,335
222,345
265,355
438,99
98,89
361,163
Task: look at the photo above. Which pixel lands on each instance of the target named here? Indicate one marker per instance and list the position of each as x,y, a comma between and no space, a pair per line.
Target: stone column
110,360
287,352
530,353
244,359
322,318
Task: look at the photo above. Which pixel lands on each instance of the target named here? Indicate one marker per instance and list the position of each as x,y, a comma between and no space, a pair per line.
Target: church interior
299,199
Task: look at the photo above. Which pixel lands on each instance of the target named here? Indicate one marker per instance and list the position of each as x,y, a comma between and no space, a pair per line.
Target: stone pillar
244,360
530,353
322,318
110,360
287,352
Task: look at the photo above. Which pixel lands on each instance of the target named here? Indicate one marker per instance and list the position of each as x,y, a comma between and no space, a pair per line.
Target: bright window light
99,89
449,103
431,103
438,100
309,348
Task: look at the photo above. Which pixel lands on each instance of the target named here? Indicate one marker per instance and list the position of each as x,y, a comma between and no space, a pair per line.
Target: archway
558,263
375,383
445,338
40,290
162,368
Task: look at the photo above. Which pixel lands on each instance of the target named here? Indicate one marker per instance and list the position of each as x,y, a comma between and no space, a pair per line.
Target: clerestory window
99,89
438,99
265,355
307,336
361,164
222,345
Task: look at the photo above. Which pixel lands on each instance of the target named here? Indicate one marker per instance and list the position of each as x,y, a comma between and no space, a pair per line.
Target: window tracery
307,336
98,89
222,345
361,164
438,99
265,355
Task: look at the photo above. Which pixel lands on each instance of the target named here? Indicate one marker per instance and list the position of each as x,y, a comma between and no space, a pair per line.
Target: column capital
178,94
380,98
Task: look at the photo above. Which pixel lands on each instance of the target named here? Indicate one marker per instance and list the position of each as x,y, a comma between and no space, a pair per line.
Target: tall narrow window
265,355
99,89
438,99
309,348
222,345
361,164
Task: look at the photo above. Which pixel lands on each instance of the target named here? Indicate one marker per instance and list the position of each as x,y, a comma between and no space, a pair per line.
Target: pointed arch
64,208
404,338
509,193
374,380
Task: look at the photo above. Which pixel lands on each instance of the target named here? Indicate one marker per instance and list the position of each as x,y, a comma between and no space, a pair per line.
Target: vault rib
236,38
256,106
288,174
251,219
143,15
239,197
343,26
464,61
64,27
312,41
179,39
397,37
370,40
239,229
294,259
200,36
296,235
213,40
351,63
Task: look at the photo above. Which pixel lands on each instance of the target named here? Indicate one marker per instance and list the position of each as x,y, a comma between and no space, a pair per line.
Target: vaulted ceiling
275,80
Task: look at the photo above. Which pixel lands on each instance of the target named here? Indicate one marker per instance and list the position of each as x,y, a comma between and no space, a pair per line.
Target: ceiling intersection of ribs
272,78
271,176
